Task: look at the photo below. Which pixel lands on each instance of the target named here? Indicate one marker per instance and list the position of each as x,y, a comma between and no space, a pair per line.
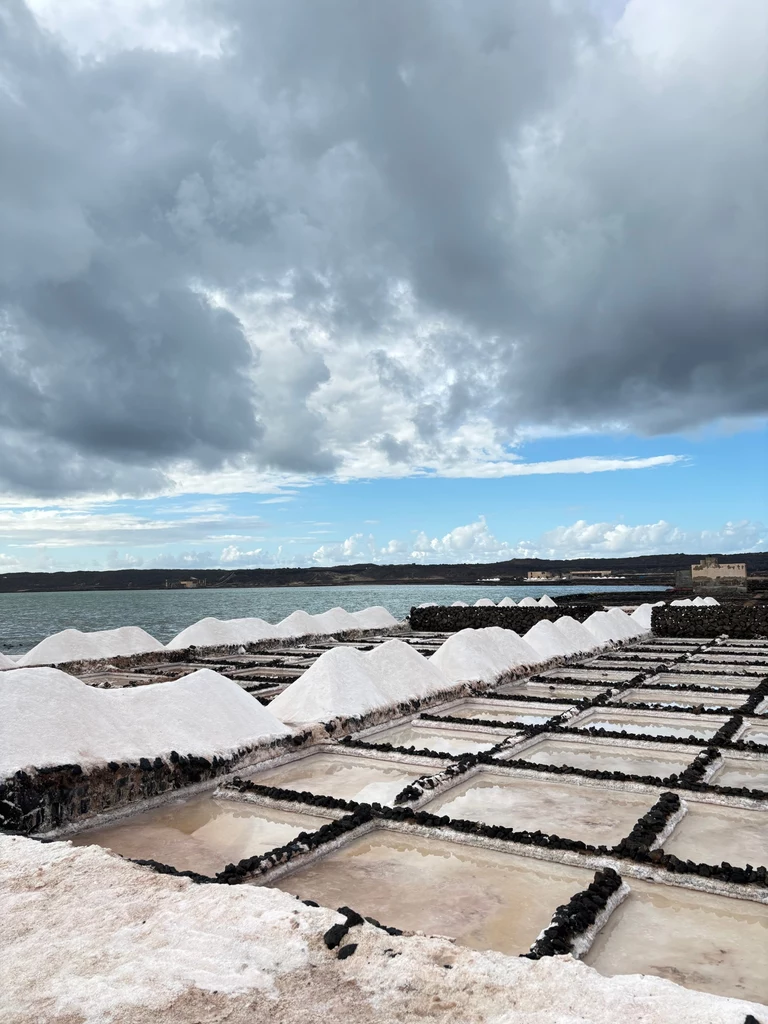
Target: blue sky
313,283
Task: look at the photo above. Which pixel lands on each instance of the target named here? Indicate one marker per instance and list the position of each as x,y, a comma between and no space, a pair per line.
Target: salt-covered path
89,938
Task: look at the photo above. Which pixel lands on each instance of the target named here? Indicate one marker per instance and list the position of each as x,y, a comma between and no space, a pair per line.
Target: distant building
537,575
191,583
710,569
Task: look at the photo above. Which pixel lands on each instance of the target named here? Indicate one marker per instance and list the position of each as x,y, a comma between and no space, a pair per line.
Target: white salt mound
513,649
485,602
471,654
374,618
642,615
73,645
545,638
211,632
711,601
5,661
402,673
527,602
507,602
683,602
339,683
48,717
547,602
459,604
429,604
336,620
699,601
630,628
298,623
602,627
577,636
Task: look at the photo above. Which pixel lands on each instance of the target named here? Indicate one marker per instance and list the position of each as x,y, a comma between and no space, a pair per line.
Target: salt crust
74,645
48,717
85,932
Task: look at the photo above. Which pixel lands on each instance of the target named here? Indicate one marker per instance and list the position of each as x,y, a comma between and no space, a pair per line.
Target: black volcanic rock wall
445,618
742,622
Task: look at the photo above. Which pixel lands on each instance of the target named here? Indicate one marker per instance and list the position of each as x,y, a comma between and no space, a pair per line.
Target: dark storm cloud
590,239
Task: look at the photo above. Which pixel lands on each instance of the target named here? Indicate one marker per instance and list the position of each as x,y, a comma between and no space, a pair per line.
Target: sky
312,283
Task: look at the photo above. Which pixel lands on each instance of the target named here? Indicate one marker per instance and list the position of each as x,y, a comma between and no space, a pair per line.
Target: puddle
596,674
349,776
755,732
449,741
698,679
741,771
562,691
711,943
589,813
649,724
523,713
200,834
682,699
711,834
633,760
482,898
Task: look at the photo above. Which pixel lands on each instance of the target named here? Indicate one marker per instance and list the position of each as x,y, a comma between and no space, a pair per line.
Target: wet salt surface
682,699
755,732
201,834
739,771
348,776
595,674
711,943
572,810
450,741
524,712
709,679
649,724
712,834
483,898
633,760
554,689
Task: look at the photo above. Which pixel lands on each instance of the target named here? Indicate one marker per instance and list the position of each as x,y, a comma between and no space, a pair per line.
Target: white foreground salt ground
48,717
73,645
94,938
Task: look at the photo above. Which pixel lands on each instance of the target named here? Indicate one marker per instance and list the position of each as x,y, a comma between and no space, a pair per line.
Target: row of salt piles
48,717
345,682
697,602
74,645
506,602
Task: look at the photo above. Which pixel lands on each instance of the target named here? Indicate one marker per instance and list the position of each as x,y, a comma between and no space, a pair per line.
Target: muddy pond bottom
349,776
609,757
711,943
590,813
483,898
201,834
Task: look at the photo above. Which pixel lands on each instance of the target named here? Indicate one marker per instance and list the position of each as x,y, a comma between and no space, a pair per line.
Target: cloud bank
247,240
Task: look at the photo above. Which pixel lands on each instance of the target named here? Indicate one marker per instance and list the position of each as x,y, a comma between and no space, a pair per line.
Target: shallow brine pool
711,834
348,776
605,757
681,699
482,898
648,724
200,834
741,771
441,739
522,712
576,811
711,943
562,691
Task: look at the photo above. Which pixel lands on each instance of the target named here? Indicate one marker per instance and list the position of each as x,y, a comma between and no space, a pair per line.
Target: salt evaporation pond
554,689
697,679
649,724
483,898
706,942
741,771
523,713
200,834
755,732
683,698
349,776
594,674
607,757
590,813
441,740
712,834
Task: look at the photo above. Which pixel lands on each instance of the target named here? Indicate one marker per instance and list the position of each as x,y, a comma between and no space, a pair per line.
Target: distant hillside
646,569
